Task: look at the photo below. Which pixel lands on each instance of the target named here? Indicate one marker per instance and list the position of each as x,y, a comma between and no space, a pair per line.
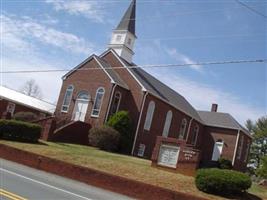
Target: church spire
128,20
123,37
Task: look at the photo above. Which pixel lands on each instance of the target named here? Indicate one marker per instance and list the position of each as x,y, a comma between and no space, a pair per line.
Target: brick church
167,128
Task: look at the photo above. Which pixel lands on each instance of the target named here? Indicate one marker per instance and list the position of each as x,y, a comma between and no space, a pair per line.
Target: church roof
128,20
159,89
17,97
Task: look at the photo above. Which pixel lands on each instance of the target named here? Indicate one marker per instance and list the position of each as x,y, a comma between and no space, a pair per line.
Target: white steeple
123,37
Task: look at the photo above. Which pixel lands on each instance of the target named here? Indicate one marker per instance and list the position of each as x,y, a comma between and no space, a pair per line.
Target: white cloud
182,58
19,34
22,40
90,9
201,96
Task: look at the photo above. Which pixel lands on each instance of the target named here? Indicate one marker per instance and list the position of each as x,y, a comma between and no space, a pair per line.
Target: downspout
189,127
110,101
139,121
236,144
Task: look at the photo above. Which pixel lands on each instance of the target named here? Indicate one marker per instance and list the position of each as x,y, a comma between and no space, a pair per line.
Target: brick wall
148,138
19,108
90,81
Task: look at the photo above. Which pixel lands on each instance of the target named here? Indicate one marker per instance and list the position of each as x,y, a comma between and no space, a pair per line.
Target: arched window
149,115
182,129
67,99
116,103
83,96
195,134
167,125
98,102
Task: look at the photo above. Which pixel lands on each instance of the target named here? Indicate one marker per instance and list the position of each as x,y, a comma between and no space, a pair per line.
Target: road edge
132,188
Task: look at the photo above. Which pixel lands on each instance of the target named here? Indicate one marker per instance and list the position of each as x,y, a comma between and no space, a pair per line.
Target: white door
217,151
80,110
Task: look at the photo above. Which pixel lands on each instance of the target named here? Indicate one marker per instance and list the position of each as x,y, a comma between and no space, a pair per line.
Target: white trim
110,101
236,144
149,115
92,115
112,51
139,121
101,66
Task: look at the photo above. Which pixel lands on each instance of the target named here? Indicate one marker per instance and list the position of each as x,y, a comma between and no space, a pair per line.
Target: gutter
236,144
139,121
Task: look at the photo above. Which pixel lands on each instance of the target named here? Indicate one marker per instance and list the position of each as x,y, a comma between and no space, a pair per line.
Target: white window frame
149,115
11,108
195,131
141,150
99,110
182,135
65,96
118,38
167,124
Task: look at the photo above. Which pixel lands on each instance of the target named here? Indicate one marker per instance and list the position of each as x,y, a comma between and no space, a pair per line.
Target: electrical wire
251,9
136,67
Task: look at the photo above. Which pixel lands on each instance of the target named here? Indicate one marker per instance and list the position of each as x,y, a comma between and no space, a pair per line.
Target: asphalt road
19,182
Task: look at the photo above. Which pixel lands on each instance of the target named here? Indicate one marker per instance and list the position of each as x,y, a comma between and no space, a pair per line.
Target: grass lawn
121,165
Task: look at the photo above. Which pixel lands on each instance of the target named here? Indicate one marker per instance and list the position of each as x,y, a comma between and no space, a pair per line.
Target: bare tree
31,88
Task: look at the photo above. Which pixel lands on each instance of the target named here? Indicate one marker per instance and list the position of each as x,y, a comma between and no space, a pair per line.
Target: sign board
168,155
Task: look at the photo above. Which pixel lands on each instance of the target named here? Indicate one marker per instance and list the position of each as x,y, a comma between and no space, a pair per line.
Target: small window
129,41
141,150
116,103
118,38
195,135
149,115
98,102
67,99
11,108
182,129
167,125
240,148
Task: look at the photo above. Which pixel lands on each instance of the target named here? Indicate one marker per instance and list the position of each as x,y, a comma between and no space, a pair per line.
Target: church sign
168,155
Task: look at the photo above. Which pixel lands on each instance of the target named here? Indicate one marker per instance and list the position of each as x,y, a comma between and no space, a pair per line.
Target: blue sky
47,34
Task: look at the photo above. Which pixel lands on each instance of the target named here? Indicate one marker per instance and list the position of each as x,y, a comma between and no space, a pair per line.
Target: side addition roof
223,120
128,20
17,97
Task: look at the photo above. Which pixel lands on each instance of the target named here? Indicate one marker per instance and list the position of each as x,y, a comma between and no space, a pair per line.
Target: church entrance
81,106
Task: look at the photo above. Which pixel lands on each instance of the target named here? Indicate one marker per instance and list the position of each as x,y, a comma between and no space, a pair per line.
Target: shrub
105,138
222,181
262,170
21,131
121,122
25,116
225,164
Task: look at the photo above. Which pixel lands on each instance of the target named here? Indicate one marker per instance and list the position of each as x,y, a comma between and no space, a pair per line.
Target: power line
251,9
140,66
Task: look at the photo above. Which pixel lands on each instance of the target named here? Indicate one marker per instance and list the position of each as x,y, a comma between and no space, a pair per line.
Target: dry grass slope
120,165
